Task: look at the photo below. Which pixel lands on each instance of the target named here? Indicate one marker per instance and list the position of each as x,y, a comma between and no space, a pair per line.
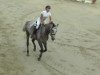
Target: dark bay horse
42,35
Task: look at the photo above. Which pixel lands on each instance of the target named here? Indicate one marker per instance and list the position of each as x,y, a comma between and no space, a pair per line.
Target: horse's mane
51,23
48,27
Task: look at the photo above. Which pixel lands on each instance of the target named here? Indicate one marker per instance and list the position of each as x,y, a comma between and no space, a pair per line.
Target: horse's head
53,30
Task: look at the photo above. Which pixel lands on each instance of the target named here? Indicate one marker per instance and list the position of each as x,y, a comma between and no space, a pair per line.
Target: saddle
34,31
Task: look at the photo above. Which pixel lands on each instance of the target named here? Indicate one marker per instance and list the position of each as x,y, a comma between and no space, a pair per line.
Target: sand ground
76,50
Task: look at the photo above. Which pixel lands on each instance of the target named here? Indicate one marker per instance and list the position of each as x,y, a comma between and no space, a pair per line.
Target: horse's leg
33,41
27,36
41,51
40,56
45,46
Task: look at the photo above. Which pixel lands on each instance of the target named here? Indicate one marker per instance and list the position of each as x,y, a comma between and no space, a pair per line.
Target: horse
41,35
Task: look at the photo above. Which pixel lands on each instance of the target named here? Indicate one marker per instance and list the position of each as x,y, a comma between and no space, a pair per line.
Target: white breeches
38,23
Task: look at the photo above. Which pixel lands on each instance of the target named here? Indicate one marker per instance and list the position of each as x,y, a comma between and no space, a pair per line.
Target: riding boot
35,30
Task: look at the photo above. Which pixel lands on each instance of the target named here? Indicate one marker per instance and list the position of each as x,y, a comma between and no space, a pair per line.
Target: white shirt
45,14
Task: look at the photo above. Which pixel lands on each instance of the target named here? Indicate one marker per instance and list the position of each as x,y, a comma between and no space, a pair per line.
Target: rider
44,15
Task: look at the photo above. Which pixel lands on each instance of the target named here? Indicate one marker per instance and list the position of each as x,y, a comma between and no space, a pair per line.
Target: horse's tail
25,26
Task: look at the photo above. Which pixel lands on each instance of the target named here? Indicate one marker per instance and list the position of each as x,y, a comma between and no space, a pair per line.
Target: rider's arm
50,19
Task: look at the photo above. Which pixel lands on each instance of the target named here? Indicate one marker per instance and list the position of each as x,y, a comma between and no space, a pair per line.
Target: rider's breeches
38,23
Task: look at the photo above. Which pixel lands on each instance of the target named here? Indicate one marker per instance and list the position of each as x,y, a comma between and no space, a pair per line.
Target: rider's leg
38,24
36,28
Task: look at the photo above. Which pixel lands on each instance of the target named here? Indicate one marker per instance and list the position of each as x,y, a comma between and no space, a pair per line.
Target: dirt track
76,50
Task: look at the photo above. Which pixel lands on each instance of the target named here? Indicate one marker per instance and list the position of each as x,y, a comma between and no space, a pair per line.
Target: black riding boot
35,30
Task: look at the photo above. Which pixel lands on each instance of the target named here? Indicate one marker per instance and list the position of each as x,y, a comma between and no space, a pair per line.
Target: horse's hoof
34,50
28,55
39,59
44,50
41,50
